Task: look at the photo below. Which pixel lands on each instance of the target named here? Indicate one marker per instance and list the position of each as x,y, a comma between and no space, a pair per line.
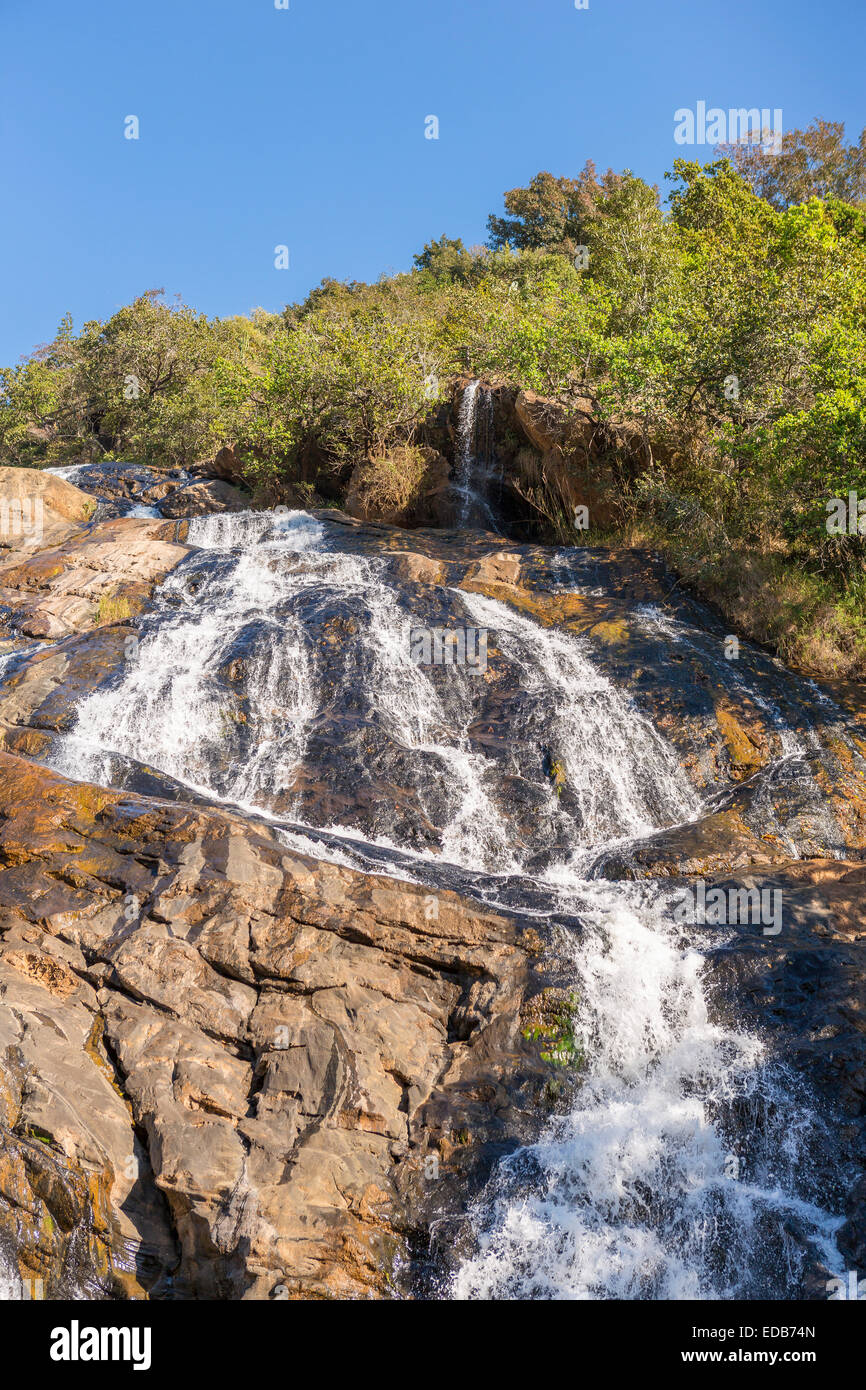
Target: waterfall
656,1184
68,473
682,1167
475,461
623,776
222,692
653,1185
232,603
170,709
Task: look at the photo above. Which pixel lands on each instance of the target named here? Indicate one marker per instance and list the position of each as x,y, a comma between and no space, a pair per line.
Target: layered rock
100,574
239,1070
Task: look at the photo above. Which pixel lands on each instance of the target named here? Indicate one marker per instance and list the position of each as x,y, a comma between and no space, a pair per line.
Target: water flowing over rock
349,931
478,475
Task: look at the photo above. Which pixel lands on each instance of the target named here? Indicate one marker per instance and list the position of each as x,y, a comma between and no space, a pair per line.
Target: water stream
478,478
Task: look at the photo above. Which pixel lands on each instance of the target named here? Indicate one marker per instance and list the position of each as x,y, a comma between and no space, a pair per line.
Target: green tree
549,215
446,260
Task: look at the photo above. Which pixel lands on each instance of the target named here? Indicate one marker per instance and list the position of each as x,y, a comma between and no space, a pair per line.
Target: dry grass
398,487
393,483
112,608
771,599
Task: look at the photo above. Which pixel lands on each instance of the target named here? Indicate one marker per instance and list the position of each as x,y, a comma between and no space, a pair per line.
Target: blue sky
305,127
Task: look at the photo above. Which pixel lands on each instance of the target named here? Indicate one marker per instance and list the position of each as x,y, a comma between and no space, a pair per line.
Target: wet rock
779,814
798,977
125,483
43,692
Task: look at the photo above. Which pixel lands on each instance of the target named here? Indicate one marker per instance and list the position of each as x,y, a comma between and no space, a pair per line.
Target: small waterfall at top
684,1167
476,475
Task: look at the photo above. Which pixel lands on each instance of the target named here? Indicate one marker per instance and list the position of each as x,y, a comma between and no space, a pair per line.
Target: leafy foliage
722,340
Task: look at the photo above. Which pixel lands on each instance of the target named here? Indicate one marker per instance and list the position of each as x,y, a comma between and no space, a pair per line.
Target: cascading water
171,711
656,1184
232,604
679,1170
622,775
476,472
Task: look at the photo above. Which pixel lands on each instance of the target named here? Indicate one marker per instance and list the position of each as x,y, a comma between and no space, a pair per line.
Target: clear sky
305,127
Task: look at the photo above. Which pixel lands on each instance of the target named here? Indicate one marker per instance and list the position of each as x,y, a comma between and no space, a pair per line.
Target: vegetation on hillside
724,330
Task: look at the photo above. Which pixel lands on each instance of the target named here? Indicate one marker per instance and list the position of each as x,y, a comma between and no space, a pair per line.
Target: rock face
551,457
200,499
227,465
237,1068
38,509
101,574
804,989
106,491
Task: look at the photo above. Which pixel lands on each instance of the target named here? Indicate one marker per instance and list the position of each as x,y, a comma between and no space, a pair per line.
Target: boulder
202,498
227,465
38,509
552,425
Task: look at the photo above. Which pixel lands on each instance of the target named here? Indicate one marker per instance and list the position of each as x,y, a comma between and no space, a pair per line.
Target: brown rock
549,424
228,465
200,499
283,1031
65,588
38,509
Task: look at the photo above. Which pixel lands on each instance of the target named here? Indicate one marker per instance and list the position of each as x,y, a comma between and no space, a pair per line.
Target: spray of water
678,1173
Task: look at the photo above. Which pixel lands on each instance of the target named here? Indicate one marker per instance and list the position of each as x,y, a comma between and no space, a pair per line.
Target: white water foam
646,1189
170,711
623,774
